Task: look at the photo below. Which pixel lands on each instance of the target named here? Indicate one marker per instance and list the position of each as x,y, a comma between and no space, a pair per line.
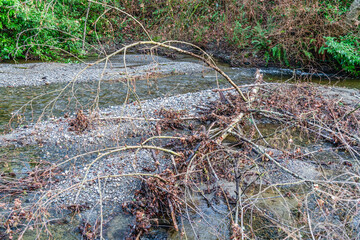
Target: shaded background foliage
287,33
47,29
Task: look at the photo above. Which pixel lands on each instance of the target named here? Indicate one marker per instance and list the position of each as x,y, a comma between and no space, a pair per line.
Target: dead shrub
80,123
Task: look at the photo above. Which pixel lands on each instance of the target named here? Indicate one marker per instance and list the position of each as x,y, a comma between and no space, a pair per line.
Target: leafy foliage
285,32
46,29
346,51
30,30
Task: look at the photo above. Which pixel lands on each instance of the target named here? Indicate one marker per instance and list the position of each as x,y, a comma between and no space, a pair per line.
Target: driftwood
236,120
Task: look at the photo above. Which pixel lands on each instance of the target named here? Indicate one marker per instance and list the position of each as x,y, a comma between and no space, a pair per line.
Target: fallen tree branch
260,150
252,96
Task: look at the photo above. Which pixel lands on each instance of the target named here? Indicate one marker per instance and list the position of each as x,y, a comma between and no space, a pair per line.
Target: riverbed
133,94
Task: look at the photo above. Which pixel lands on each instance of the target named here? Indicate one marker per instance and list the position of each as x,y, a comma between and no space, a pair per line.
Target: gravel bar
137,67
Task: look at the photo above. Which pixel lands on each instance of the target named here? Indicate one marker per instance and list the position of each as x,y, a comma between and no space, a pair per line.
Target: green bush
32,30
346,51
46,29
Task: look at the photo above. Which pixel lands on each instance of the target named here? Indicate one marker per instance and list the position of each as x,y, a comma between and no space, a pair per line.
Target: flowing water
115,93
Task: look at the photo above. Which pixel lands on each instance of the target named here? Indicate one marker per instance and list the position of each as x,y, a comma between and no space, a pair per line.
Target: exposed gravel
59,144
108,133
114,191
345,95
116,126
55,132
123,125
138,67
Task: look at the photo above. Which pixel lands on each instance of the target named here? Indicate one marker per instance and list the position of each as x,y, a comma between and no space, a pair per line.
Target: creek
113,93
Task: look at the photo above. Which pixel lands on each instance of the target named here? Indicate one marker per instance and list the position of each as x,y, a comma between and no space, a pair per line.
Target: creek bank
248,59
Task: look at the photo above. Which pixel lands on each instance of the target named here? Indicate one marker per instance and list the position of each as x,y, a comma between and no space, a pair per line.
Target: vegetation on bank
289,33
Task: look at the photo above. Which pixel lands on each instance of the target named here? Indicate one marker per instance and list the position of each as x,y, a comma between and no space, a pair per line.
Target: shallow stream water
115,93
